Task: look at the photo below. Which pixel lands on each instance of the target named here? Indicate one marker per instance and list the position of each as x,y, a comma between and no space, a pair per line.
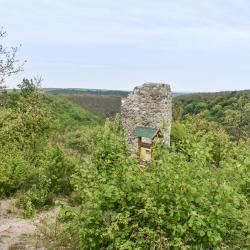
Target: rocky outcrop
149,105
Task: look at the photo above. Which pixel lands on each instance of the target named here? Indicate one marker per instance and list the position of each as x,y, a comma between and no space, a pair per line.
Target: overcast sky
194,45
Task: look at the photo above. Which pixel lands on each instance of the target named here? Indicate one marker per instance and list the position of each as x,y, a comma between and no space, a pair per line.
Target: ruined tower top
149,105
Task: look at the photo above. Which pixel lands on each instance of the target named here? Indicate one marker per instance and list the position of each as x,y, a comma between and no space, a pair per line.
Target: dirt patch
19,233
5,207
13,229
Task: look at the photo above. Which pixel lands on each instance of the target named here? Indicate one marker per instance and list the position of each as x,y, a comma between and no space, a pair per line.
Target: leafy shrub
83,139
58,170
51,179
175,202
199,140
15,173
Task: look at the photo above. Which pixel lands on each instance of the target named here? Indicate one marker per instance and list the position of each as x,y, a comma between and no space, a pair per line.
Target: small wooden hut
146,136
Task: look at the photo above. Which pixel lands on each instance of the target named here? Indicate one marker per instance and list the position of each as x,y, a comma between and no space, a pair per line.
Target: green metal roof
145,132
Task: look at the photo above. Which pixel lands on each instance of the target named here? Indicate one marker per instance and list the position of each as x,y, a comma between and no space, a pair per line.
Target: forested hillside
103,106
194,194
104,103
230,109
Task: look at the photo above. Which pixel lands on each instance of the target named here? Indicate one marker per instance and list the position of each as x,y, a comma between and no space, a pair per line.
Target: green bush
52,179
15,173
176,202
83,139
58,169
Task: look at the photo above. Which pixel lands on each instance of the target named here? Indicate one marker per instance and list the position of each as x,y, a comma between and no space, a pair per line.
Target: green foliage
68,116
103,106
193,195
199,139
109,147
58,169
14,173
179,201
51,179
83,139
33,164
24,130
38,195
26,122
230,109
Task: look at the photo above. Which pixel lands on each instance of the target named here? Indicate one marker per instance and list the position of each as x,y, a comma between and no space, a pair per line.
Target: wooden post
151,150
139,148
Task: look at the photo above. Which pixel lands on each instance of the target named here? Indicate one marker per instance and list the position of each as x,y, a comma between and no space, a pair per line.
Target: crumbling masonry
149,105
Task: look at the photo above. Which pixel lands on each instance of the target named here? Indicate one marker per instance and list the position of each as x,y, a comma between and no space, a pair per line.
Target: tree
27,124
9,65
237,120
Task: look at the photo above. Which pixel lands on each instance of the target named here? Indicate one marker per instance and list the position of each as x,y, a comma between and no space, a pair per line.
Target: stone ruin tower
149,105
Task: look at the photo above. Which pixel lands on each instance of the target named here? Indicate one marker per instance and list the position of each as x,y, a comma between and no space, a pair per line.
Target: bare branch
9,65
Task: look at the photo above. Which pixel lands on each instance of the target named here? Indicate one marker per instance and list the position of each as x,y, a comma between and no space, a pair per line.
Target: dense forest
230,109
195,194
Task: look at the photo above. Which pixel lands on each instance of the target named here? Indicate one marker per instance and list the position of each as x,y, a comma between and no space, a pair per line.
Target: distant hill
209,95
106,103
231,109
98,92
68,115
102,105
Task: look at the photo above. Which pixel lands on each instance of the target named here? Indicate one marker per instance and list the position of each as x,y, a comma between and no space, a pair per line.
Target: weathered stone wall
149,105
